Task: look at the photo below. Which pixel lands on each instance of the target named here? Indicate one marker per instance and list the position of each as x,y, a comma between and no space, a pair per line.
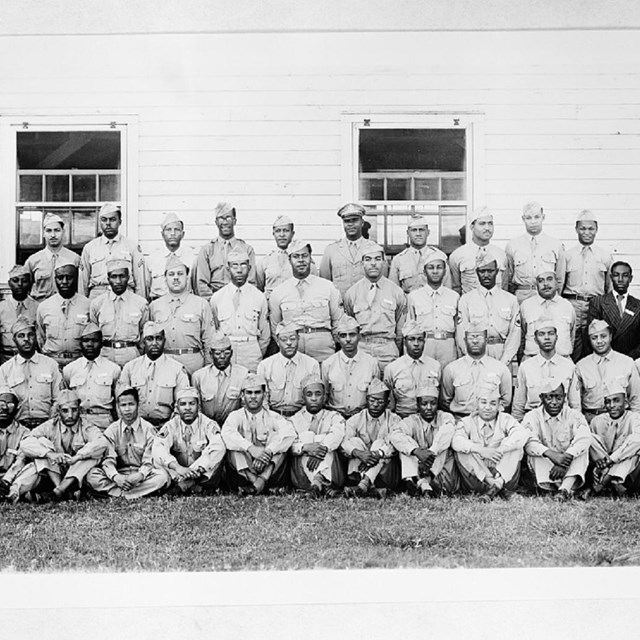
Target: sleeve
516,435
512,343
506,390
213,454
394,272
446,388
351,440
147,457
206,332
231,436
461,441
462,322
573,396
444,436
533,447
182,382
264,330
260,274
93,312
95,446
161,450
57,383
347,302
138,272
400,437
203,273
325,264
283,437
509,271
454,269
275,314
401,316
335,307
124,381
84,273
633,389
37,444
109,462
561,267
41,335
581,437
252,264
519,396
334,438
387,378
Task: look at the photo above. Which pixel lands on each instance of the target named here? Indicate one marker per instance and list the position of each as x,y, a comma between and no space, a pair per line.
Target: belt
526,287
439,335
577,296
494,340
31,423
242,338
180,352
287,413
95,412
379,339
596,412
119,344
64,354
312,329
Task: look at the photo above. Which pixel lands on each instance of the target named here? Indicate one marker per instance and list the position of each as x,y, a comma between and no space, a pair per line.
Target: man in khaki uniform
373,462
532,254
257,441
240,311
111,245
220,383
18,304
120,314
435,308
211,266
342,260
190,448
42,264
466,259
379,306
284,372
424,442
11,433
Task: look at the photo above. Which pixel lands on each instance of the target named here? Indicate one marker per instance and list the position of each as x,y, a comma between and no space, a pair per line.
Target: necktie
601,366
480,256
282,259
487,432
236,299
21,309
621,304
226,246
534,244
65,307
371,294
253,428
353,250
300,287
187,434
289,370
313,427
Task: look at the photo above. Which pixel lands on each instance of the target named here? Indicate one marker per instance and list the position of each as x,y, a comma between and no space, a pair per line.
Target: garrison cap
485,260
544,322
435,256
428,390
67,396
152,328
5,390
531,207
223,209
285,328
65,262
89,329
372,249
544,272
412,328
19,270
376,386
416,221
477,327
481,213
187,392
109,207
237,255
352,209
282,221
254,381
310,380
551,384
612,388
487,391
174,262
52,218
298,245
117,263
21,324
220,340
347,323
587,216
170,217
598,325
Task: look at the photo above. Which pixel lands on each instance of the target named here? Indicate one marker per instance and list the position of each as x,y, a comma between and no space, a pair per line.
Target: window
399,169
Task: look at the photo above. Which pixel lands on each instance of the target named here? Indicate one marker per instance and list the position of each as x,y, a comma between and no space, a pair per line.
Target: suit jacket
626,330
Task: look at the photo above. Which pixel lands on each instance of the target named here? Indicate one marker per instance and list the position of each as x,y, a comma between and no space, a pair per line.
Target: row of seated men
450,431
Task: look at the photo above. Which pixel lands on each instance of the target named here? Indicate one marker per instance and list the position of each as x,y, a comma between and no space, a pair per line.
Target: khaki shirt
406,375
266,429
128,448
363,426
464,262
407,268
10,438
220,390
415,433
42,265
81,439
568,432
560,310
504,433
619,438
120,317
528,255
59,325
587,270
325,427
435,310
156,264
273,269
10,310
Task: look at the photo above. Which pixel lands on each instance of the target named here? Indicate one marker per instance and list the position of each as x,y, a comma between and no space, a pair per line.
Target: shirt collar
345,359
136,426
21,360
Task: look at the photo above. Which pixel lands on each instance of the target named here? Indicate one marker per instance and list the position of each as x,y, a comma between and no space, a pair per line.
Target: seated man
615,442
11,433
489,446
559,440
424,442
190,447
372,459
62,450
257,440
127,469
315,466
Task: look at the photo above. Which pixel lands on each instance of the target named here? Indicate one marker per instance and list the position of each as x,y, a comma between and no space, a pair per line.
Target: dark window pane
84,225
427,189
109,188
453,222
453,189
371,189
399,189
30,188
56,188
84,188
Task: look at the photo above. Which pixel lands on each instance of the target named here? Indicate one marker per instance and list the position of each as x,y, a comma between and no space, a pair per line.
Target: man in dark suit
620,310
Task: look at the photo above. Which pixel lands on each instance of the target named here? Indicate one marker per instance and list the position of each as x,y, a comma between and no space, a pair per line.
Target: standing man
18,304
313,303
220,383
547,302
94,379
342,260
61,318
109,246
187,318
435,308
407,268
211,266
587,275
240,311
120,314
533,253
41,265
379,306
498,308
466,259
172,229
620,311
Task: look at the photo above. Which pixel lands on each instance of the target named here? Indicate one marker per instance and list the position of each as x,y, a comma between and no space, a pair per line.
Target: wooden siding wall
256,119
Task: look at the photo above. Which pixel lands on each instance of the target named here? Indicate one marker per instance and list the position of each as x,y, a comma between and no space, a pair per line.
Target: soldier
407,268
615,443
11,433
586,274
111,245
19,304
411,372
158,378
489,445
435,308
547,302
61,318
532,254
257,440
342,260
34,378
347,373
423,441
211,266
62,450
190,448
379,306
127,469
498,308
120,314
240,311
535,371
315,466
41,265
187,318
313,303
220,383
466,259
94,379
284,372
460,379
373,462
603,366
558,446
172,229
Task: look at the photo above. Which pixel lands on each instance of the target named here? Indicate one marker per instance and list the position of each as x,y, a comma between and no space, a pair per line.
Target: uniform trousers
31,474
541,467
158,479
319,345
329,472
239,463
444,351
474,470
384,474
443,475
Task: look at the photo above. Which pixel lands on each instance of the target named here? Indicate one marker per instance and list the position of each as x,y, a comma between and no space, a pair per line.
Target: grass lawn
292,532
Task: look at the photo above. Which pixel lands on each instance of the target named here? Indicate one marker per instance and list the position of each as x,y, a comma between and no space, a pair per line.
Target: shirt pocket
138,381
77,380
290,310
98,266
388,309
44,379
233,392
549,258
103,386
16,379
318,309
